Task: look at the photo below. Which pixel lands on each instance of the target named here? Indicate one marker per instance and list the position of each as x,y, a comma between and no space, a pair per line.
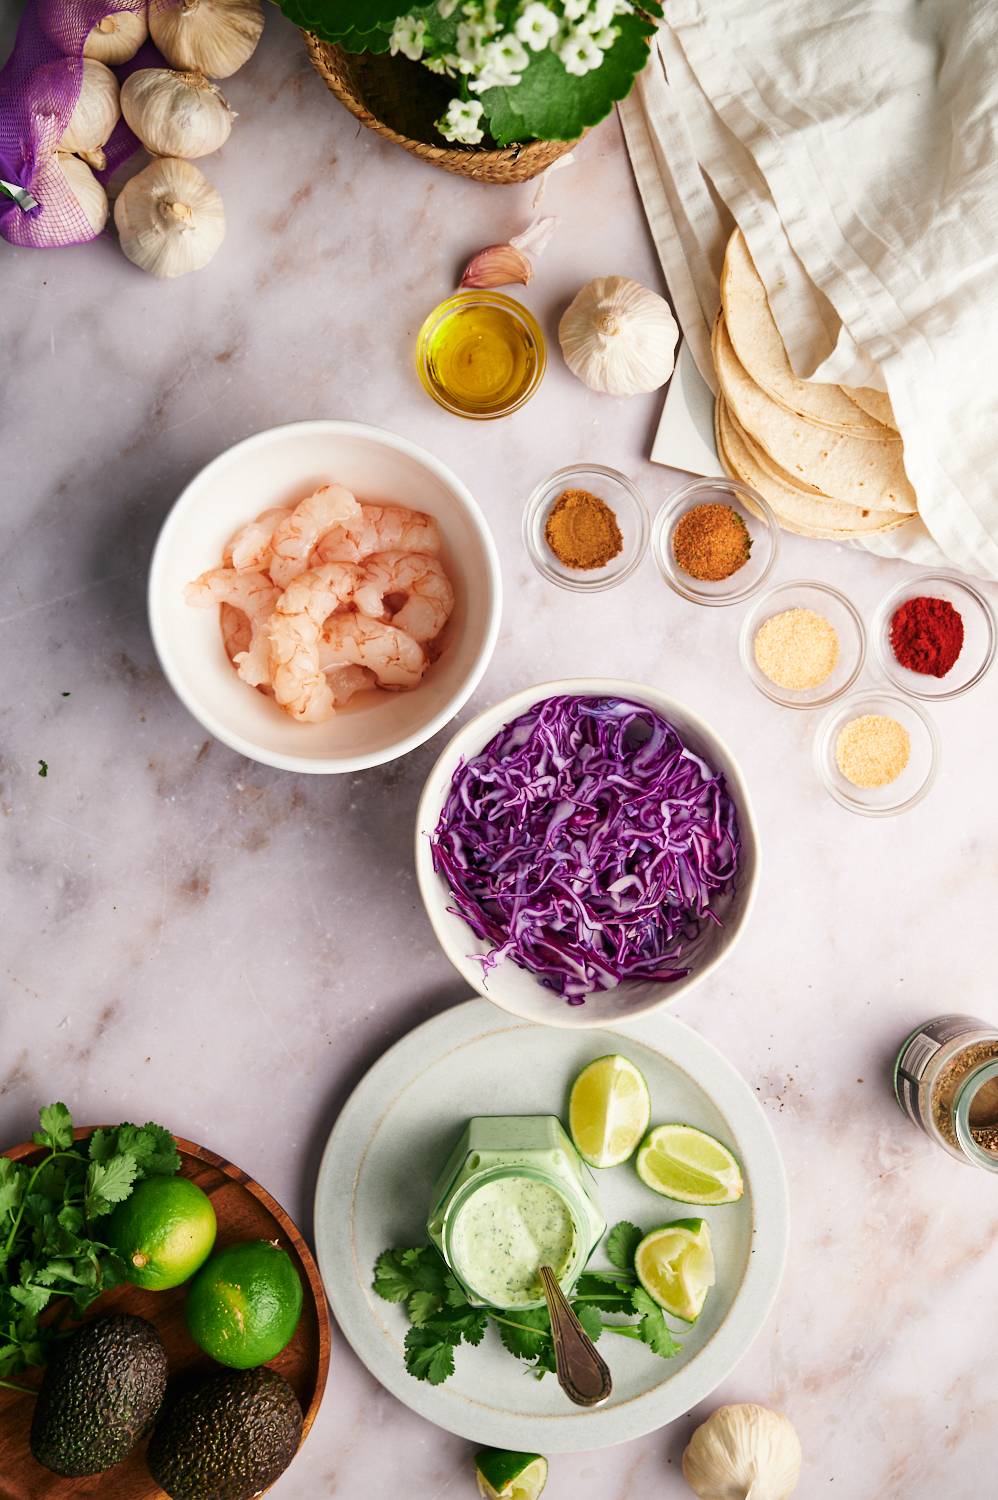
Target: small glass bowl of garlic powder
876,753
803,644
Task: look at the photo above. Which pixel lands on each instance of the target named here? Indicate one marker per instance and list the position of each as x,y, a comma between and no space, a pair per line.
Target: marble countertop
197,939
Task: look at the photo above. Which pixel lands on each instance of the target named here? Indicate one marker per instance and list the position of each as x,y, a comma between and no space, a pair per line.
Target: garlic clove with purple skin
496,265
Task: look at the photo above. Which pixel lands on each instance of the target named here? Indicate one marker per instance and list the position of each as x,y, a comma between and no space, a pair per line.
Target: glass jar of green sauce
514,1195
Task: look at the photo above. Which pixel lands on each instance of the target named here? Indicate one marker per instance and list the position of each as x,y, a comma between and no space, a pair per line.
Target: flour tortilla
756,340
875,403
796,510
860,471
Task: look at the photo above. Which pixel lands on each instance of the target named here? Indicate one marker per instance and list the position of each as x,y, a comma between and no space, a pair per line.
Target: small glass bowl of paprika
935,636
586,528
715,541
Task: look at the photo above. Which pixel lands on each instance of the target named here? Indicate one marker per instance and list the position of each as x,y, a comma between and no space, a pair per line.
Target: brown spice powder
711,542
983,1114
582,530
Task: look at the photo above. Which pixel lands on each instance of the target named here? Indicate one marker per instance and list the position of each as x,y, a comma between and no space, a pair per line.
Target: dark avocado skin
227,1437
100,1394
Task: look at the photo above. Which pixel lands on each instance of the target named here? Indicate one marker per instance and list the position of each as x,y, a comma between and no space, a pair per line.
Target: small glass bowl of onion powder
803,644
876,753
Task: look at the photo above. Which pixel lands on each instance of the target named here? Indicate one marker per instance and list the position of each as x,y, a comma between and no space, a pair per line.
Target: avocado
227,1437
100,1394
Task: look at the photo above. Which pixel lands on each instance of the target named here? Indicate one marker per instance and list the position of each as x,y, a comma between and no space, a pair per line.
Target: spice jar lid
629,525
980,636
912,782
763,535
785,604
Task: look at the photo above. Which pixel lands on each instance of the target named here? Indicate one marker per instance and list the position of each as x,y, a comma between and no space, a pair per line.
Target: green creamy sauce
505,1232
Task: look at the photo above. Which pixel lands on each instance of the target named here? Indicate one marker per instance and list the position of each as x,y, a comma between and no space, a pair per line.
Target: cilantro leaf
399,1273
13,1180
525,1331
428,1356
589,1317
423,1306
654,1330
57,1127
621,1243
108,1183
603,1292
154,1149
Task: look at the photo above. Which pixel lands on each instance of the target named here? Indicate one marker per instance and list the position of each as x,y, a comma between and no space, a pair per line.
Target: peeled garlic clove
96,113
169,218
497,265
214,37
619,337
743,1452
85,188
175,114
117,36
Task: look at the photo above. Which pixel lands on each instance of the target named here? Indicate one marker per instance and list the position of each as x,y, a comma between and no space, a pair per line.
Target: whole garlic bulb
85,188
175,114
743,1452
169,218
95,116
117,36
210,36
619,337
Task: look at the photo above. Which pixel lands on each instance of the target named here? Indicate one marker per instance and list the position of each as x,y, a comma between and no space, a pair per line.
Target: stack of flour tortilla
827,458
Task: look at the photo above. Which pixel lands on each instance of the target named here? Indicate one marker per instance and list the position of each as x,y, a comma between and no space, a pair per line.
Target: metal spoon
583,1373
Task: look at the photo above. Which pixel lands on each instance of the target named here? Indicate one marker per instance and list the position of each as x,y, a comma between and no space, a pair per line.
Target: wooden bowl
245,1211
401,99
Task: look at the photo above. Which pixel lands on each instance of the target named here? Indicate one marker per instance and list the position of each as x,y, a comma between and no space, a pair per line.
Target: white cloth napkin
855,144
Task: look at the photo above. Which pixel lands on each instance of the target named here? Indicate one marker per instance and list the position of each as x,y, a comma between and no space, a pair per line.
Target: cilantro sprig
51,1252
442,1318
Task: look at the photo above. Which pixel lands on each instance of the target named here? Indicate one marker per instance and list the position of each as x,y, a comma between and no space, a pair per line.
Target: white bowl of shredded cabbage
278,468
587,865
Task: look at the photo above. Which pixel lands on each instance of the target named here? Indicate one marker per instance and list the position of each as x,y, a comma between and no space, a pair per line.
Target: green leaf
358,25
603,1292
525,1332
551,104
423,1305
13,1180
57,1127
34,1299
399,1273
655,1332
108,1183
428,1356
589,1317
621,1243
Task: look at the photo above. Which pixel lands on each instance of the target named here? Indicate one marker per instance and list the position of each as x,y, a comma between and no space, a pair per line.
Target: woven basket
400,100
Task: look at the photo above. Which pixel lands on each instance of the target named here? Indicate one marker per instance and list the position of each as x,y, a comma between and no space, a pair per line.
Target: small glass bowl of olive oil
480,354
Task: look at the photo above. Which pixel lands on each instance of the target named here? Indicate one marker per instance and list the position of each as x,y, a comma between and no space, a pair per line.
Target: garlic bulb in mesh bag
175,114
85,188
95,116
169,218
117,36
212,36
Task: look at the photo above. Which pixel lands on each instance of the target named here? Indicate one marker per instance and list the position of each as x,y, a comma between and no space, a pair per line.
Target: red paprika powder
927,635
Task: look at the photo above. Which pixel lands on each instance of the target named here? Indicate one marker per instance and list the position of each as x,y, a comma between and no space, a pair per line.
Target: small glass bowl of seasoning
877,753
946,1081
715,541
803,644
480,354
586,527
935,636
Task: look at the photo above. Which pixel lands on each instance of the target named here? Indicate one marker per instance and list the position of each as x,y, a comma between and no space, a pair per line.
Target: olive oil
480,354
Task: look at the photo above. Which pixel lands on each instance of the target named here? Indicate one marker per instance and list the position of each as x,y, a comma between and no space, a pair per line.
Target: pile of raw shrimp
329,597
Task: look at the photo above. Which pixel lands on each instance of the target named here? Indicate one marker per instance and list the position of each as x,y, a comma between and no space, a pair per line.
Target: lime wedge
510,1476
608,1111
684,1163
675,1265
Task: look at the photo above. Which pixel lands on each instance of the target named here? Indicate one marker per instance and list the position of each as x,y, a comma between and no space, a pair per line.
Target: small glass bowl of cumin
763,535
629,522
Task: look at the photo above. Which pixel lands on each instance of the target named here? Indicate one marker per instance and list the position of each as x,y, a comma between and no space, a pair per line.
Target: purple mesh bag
39,88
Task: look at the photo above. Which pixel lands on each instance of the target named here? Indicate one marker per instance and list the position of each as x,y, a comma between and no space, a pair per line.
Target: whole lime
163,1232
243,1306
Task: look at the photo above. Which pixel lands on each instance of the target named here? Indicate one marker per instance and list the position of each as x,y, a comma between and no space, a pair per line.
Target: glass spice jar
946,1081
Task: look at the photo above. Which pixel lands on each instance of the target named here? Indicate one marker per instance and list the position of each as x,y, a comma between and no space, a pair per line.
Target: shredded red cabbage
586,843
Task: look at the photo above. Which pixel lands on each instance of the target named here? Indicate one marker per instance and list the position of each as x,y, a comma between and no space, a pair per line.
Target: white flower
471,38
407,37
579,54
575,9
605,39
601,14
446,8
460,123
500,60
537,25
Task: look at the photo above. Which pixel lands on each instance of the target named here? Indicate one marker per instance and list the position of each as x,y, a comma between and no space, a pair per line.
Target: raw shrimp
256,597
295,629
249,548
380,528
295,537
422,583
344,682
396,660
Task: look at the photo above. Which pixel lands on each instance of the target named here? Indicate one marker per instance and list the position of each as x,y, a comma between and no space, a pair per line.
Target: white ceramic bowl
514,988
278,467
